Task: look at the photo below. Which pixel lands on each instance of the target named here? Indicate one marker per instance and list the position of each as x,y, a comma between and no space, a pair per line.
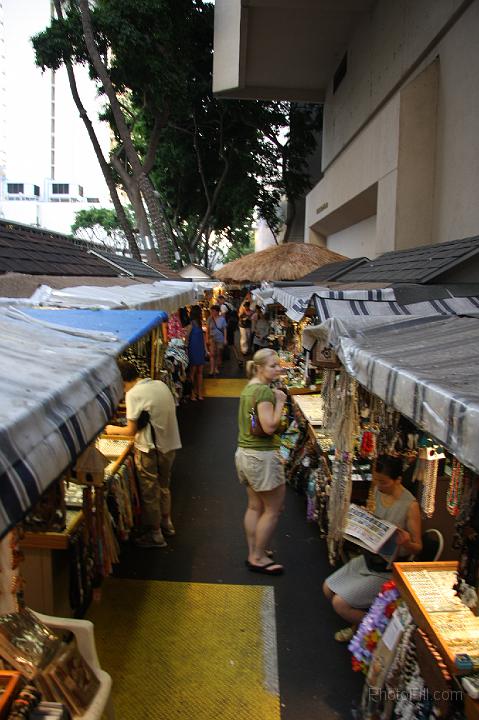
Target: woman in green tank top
257,459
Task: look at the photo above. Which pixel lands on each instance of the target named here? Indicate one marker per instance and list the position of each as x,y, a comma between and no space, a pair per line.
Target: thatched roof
290,261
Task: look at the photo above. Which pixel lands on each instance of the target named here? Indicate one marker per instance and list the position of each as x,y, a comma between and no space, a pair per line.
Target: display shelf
9,682
304,390
116,462
440,606
54,540
311,407
61,540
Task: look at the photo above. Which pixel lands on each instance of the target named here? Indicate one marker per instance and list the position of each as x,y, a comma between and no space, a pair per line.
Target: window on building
340,73
15,188
80,190
36,190
60,188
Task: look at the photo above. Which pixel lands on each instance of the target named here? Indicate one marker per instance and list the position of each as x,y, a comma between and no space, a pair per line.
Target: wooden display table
46,567
311,406
304,390
405,575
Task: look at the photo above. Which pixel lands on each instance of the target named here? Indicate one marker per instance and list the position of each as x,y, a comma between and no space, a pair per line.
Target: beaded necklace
455,489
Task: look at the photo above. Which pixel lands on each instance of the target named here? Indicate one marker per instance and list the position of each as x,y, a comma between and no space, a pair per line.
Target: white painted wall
456,205
56,216
383,48
381,53
357,240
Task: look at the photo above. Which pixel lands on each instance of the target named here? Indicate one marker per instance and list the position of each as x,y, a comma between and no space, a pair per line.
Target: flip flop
268,553
271,568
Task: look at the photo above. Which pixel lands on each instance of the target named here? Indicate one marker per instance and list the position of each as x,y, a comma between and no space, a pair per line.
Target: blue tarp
127,325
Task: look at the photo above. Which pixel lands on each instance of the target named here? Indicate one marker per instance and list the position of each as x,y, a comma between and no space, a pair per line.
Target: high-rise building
48,168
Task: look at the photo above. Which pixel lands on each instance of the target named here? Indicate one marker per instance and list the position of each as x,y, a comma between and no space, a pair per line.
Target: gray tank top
397,512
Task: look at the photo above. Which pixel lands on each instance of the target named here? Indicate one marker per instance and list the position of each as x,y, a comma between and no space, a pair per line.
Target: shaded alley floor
315,676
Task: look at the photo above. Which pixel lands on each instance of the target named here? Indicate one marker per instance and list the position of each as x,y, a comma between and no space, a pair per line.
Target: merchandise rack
422,619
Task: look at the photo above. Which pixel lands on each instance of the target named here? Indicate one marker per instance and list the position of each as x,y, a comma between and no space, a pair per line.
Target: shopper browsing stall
151,418
197,351
353,587
257,459
245,321
215,338
260,328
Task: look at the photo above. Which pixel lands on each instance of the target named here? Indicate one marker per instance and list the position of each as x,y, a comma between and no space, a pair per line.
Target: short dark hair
128,371
389,465
215,307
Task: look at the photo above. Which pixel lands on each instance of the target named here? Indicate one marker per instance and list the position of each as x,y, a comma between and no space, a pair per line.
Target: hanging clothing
175,328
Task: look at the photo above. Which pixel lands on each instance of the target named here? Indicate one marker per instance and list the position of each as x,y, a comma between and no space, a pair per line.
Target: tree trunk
134,196
144,183
105,168
159,226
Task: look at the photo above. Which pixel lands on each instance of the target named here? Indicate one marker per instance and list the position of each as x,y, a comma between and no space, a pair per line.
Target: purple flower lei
370,630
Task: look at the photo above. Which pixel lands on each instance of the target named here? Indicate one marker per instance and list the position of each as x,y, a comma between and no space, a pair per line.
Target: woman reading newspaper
353,587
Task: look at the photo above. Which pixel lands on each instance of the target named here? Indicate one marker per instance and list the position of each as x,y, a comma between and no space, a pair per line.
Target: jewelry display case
45,568
428,591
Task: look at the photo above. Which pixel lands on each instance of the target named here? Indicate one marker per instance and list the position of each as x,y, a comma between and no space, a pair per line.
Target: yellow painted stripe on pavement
189,651
223,387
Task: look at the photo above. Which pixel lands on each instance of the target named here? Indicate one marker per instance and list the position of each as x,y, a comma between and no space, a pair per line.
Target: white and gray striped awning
349,303
296,300
427,368
59,387
347,308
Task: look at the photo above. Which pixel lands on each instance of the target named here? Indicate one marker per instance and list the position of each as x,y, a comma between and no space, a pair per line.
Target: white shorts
261,470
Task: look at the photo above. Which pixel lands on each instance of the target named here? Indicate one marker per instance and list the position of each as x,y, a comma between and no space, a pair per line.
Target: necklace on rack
428,496
455,489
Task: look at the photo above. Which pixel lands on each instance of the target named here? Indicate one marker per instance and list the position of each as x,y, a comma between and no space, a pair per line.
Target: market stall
72,494
407,387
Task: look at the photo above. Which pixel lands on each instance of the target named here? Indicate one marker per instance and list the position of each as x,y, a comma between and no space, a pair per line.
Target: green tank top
254,393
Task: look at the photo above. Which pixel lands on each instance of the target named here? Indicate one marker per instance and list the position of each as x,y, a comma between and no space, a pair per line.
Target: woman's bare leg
199,382
273,501
193,371
212,357
219,358
353,616
253,513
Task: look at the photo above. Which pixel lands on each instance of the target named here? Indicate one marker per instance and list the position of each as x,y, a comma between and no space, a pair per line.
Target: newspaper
370,532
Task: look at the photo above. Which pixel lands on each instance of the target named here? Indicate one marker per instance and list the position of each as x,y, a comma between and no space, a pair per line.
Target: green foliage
217,162
100,226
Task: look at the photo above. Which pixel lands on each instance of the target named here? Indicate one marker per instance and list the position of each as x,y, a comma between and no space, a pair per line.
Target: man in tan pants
151,418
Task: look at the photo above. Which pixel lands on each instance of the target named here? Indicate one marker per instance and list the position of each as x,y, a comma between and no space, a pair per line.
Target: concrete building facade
400,151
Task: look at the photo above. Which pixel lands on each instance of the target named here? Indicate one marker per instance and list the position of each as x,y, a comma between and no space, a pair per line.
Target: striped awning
59,387
296,300
426,368
349,303
348,308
